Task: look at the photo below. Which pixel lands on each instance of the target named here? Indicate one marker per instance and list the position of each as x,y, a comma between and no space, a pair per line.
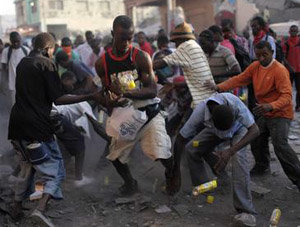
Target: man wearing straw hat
191,58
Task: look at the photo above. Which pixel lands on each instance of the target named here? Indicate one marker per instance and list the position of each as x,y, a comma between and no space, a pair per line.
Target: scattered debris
275,173
181,209
258,190
163,209
125,200
293,137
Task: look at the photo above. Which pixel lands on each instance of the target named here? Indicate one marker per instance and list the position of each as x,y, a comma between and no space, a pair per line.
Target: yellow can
210,199
195,143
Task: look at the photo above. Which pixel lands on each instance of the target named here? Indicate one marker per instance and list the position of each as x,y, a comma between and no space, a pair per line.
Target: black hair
66,41
222,117
1,42
14,35
43,41
141,33
293,26
260,21
162,39
123,21
207,34
68,75
87,33
263,44
61,56
215,29
227,22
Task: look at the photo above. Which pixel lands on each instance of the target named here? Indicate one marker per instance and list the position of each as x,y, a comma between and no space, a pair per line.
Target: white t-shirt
15,58
191,58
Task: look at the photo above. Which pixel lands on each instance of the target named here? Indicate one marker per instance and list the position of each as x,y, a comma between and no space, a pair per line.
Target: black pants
296,77
71,140
278,130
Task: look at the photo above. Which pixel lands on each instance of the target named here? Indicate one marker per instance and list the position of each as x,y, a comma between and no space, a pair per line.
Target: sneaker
36,195
245,219
259,170
84,181
41,219
129,189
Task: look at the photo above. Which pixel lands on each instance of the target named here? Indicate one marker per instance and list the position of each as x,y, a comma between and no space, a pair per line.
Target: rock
275,173
258,190
181,209
163,209
125,200
293,137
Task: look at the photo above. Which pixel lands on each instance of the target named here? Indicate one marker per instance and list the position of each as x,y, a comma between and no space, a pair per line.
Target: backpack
10,52
241,54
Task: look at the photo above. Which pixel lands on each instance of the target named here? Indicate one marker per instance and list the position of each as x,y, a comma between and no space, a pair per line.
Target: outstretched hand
261,109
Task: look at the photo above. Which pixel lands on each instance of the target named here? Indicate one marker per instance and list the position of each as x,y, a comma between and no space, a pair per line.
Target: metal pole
170,14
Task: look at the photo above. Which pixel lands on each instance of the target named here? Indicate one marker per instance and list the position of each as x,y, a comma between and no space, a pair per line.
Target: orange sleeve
242,79
283,87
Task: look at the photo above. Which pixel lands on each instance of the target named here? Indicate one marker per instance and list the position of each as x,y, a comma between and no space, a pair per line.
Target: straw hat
182,31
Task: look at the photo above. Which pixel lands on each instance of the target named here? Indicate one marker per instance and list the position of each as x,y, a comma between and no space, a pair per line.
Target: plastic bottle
205,187
275,217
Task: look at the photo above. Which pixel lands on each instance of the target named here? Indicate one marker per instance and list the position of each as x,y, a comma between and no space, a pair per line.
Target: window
21,11
60,5
33,6
82,6
104,6
56,4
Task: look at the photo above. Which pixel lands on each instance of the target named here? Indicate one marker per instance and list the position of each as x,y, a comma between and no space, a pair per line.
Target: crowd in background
187,80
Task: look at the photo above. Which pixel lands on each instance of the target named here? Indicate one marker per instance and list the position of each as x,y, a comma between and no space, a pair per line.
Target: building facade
200,13
67,17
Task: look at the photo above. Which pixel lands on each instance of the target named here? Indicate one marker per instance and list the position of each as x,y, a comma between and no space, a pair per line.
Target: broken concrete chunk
163,209
181,209
258,190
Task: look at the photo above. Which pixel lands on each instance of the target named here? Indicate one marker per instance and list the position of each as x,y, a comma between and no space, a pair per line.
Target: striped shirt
221,61
191,58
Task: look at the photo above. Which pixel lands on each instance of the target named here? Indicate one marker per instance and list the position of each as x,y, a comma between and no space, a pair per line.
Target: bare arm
159,64
148,91
224,156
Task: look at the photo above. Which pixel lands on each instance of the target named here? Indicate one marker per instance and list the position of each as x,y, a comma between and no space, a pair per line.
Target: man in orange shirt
274,110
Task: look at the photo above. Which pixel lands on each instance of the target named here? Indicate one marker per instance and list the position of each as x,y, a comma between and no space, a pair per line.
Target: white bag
125,123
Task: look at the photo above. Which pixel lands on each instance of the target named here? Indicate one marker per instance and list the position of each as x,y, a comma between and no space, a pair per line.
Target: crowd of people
193,91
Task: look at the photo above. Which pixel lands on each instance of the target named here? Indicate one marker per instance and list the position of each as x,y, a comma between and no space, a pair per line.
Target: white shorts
155,142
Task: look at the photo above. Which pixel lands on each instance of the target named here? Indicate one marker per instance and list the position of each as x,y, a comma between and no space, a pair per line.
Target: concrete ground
98,205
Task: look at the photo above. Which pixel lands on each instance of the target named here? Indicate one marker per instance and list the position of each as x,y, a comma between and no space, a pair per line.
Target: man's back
37,87
190,56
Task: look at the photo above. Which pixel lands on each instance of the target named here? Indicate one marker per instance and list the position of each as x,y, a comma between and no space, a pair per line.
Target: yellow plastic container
195,143
131,85
205,187
210,199
275,217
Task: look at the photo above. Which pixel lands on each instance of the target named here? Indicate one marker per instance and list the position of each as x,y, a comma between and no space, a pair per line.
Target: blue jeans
51,173
242,199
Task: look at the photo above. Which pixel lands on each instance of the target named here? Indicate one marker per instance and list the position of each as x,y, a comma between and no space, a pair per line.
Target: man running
113,67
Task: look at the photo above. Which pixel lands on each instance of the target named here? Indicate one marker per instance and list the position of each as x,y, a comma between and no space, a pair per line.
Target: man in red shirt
143,44
291,49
